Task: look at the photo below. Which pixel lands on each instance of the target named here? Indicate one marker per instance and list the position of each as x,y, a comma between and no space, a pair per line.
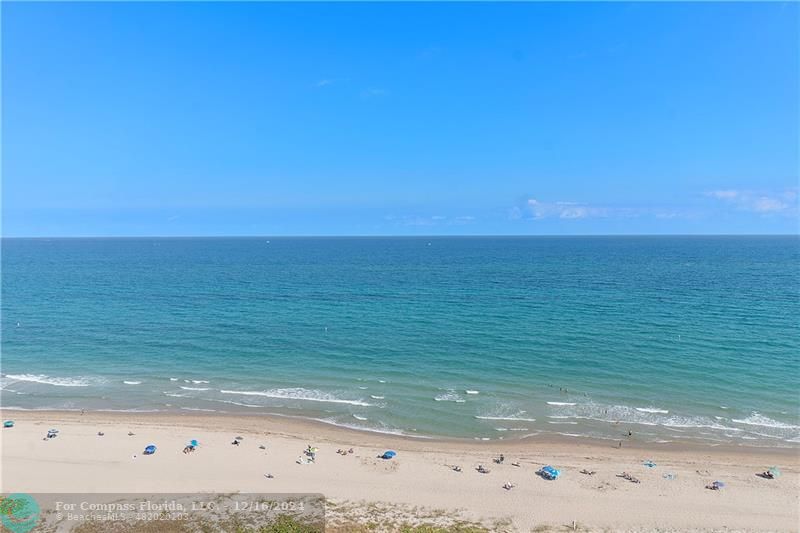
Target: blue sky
400,119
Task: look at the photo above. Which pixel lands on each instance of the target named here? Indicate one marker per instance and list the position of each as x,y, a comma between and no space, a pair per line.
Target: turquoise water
672,338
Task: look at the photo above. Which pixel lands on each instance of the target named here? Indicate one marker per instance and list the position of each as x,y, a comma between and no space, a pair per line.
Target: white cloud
534,209
724,195
758,202
515,213
574,212
766,204
323,83
433,220
566,210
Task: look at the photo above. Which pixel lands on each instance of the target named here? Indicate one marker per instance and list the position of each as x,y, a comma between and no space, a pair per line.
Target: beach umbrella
775,471
718,484
8,424
388,454
548,472
150,449
194,443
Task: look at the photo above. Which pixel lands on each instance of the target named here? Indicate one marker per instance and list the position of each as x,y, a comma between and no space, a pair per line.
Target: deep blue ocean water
672,338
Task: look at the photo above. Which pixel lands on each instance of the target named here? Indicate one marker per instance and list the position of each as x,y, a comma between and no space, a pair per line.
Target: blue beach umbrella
388,454
548,472
8,424
150,449
194,443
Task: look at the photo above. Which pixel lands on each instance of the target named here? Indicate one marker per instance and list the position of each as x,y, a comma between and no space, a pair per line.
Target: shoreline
297,426
419,482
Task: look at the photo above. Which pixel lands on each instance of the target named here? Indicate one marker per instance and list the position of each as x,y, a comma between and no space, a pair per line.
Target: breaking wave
298,394
48,380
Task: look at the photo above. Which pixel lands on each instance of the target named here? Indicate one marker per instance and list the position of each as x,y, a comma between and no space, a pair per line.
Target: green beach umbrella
775,471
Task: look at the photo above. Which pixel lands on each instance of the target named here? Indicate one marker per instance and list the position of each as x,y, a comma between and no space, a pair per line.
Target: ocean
676,339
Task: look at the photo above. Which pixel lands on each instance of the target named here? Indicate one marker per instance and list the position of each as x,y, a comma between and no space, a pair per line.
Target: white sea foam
175,395
756,419
48,380
512,418
630,415
471,391
357,417
383,429
132,382
376,397
560,403
198,381
652,410
19,408
195,388
173,379
129,410
231,402
449,396
298,394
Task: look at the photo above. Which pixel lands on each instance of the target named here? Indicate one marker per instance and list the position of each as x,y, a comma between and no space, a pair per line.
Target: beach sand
417,484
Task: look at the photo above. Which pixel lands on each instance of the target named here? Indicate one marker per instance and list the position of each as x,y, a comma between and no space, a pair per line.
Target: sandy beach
419,484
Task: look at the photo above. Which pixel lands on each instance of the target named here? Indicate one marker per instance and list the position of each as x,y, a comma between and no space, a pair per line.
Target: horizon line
400,236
